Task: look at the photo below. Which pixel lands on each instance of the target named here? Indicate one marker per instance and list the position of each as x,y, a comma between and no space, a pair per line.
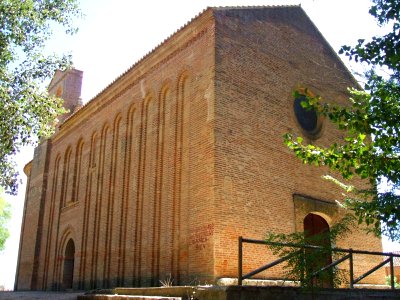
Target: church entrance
316,231
69,259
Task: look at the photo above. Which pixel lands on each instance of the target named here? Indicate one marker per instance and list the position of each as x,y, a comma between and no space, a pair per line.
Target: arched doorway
69,260
316,232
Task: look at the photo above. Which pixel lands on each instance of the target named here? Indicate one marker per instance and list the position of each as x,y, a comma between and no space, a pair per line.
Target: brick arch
316,231
182,80
110,198
77,169
68,265
165,87
100,197
159,195
304,205
149,96
91,176
131,110
67,174
93,137
67,235
184,74
105,127
117,118
315,224
326,217
127,197
180,131
145,195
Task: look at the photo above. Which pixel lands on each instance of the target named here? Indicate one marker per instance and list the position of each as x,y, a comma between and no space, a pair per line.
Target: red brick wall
32,224
129,175
262,56
161,172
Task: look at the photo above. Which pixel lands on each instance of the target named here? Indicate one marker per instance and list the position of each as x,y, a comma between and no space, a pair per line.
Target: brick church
161,172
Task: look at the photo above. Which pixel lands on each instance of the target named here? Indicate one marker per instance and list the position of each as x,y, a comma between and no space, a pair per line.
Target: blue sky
114,34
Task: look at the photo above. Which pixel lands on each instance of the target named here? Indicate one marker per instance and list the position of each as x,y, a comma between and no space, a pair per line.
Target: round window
307,118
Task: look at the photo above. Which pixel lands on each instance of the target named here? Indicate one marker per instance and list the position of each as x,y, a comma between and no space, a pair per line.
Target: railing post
351,268
303,267
351,252
240,261
391,271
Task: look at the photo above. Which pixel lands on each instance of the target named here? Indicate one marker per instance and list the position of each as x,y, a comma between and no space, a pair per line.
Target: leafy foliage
27,112
304,263
388,279
5,215
371,147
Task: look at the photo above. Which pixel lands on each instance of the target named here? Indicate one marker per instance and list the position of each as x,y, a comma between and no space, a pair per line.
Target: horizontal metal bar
251,241
371,271
270,265
261,242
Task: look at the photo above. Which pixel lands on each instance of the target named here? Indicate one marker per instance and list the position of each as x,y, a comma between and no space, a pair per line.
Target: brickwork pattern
260,61
119,180
161,172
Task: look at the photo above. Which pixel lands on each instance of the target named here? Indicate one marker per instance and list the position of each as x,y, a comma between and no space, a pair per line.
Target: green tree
302,263
27,112
5,215
371,125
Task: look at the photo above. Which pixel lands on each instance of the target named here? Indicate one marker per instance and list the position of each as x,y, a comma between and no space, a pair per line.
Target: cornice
164,52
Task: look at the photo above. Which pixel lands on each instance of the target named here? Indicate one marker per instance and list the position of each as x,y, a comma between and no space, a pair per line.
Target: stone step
242,292
123,297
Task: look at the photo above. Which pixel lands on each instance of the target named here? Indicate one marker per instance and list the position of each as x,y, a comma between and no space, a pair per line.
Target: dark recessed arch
68,266
316,232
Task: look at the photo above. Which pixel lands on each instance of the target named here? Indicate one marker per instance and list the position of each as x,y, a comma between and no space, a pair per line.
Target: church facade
162,171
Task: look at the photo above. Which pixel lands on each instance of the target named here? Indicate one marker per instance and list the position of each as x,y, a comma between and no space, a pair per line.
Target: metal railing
349,256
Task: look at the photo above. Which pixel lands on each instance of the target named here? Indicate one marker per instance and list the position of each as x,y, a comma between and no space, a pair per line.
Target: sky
114,34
